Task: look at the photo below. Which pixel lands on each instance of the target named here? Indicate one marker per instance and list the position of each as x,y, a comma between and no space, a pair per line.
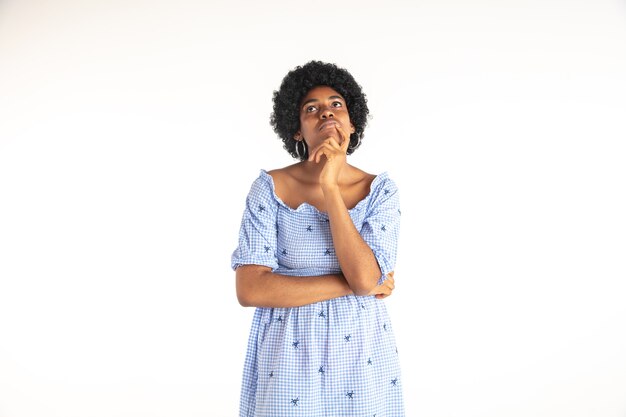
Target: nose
327,112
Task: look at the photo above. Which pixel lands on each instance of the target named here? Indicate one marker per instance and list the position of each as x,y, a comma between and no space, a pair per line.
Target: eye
308,109
337,102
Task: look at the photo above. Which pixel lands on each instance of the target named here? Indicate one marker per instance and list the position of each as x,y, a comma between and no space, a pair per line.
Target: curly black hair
285,118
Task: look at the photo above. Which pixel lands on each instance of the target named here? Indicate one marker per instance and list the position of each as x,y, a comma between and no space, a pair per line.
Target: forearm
356,259
259,287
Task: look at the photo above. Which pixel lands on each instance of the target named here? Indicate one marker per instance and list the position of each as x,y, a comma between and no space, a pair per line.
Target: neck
311,171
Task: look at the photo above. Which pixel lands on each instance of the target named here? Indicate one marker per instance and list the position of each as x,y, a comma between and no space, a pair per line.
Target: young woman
316,254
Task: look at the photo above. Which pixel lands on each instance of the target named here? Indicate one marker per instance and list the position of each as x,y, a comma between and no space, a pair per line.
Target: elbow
363,277
363,290
244,301
244,295
364,285
247,285
360,293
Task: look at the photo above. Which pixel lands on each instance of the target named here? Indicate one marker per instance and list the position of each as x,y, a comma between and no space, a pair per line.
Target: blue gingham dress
332,358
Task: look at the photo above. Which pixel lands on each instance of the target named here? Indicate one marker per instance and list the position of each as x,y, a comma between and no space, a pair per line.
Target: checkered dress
332,358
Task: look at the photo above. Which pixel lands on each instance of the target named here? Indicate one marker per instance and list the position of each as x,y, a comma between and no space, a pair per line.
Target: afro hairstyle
285,118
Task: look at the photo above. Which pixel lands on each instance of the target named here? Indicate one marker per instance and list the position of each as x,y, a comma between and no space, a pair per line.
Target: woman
317,249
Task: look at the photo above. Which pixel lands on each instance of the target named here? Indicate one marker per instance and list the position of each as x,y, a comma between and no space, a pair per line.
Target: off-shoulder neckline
307,206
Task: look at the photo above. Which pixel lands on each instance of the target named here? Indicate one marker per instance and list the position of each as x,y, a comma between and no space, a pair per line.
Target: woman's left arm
356,259
360,260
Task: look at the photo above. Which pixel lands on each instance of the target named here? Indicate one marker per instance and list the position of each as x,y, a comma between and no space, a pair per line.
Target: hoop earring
358,142
300,157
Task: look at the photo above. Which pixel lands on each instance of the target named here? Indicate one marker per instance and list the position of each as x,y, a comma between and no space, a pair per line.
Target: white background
130,132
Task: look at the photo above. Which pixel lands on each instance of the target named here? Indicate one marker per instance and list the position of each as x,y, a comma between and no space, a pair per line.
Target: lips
329,123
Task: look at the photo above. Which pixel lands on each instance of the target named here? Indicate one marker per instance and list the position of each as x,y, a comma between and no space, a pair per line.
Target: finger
333,143
381,289
329,143
324,149
390,285
313,154
345,139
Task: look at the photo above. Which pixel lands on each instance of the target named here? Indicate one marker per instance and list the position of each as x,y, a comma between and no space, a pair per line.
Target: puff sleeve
381,226
258,231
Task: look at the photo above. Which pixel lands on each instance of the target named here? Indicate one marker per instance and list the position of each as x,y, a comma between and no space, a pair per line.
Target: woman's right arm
258,286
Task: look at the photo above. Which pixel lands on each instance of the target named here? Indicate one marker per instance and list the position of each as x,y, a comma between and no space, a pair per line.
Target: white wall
130,132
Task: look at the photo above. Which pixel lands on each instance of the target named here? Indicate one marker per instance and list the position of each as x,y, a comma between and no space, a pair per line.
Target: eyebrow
314,100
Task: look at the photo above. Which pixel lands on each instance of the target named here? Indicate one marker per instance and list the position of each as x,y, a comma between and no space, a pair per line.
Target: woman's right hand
384,290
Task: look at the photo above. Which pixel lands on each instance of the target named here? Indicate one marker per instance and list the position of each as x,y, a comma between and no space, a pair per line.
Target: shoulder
386,183
262,190
288,172
286,178
375,182
278,175
361,178
384,191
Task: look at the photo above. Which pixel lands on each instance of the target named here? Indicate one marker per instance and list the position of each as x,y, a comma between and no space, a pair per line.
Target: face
320,110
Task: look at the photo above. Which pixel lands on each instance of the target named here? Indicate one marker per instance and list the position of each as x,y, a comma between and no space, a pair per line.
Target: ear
297,136
352,129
